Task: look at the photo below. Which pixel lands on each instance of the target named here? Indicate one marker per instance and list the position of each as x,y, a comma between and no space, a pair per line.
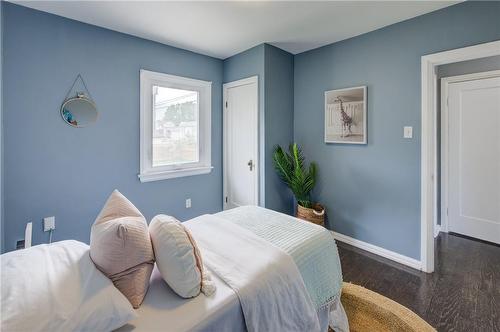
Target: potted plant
292,170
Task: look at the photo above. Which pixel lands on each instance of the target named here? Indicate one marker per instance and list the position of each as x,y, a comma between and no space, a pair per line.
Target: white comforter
271,291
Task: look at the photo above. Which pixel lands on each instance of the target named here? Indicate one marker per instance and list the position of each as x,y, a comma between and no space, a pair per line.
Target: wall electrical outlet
188,203
49,223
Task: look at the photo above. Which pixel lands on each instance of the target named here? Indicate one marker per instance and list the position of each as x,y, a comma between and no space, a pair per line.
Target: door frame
428,154
225,88
445,143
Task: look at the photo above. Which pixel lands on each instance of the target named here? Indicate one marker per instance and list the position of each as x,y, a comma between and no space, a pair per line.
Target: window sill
164,175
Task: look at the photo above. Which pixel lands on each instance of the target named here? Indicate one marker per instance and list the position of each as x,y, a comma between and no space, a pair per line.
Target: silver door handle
250,164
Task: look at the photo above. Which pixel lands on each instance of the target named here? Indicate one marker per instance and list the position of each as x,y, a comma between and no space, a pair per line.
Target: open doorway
469,149
430,141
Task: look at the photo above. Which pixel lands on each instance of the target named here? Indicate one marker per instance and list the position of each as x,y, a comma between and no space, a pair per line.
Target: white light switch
49,223
408,132
188,203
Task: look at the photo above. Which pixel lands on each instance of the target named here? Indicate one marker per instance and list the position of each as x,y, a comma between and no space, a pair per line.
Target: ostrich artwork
346,120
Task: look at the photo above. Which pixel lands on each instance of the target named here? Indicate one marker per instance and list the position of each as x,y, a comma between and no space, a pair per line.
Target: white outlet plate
188,203
49,223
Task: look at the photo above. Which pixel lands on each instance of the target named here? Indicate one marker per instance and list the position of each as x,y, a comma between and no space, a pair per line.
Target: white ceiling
222,29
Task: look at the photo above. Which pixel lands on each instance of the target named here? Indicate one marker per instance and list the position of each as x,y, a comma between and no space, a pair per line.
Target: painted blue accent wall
279,123
243,65
274,67
372,192
52,169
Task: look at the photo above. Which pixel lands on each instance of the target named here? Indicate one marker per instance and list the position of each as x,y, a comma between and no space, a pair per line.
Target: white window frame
203,166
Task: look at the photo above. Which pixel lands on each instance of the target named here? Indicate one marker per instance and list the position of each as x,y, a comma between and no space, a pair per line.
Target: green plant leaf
292,171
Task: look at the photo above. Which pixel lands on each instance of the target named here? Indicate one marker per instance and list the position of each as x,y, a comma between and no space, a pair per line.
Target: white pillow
178,258
56,287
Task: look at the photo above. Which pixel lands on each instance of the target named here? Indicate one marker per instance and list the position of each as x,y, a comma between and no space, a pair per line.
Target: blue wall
372,192
52,169
247,64
468,67
274,67
279,123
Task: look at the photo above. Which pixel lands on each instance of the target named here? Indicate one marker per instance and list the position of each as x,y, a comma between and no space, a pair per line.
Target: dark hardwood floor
463,294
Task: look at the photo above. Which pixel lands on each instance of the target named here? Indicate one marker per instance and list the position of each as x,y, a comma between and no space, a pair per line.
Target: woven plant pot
316,215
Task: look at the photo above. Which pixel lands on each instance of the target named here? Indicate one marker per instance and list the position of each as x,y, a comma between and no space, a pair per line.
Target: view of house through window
175,126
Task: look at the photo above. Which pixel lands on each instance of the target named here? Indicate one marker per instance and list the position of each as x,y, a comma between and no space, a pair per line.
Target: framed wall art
345,116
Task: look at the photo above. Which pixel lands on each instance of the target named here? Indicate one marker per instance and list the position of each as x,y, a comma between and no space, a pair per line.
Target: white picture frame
345,115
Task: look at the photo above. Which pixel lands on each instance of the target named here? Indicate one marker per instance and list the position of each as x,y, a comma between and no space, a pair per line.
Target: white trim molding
394,256
163,175
429,158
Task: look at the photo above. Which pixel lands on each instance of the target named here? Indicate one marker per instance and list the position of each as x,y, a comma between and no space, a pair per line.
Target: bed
304,242
272,272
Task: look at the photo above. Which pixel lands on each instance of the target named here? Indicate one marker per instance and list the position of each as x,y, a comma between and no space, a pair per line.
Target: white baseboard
402,259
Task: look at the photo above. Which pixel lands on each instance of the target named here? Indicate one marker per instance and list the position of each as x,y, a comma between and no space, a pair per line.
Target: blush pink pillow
121,248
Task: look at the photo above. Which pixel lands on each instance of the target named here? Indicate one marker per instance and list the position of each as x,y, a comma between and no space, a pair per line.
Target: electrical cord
50,235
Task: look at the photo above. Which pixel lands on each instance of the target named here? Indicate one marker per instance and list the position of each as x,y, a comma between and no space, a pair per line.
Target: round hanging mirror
79,111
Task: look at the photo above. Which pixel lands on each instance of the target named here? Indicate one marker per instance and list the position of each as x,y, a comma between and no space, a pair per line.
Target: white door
241,176
474,158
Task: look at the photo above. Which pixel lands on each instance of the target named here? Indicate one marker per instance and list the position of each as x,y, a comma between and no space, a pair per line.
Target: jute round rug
368,311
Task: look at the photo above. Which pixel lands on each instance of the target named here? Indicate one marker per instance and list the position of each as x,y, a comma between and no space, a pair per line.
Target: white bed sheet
163,310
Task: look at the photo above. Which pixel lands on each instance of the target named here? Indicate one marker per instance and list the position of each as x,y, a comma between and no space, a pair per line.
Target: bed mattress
163,310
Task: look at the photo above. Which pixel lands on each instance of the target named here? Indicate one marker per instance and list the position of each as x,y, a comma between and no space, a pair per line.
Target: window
175,126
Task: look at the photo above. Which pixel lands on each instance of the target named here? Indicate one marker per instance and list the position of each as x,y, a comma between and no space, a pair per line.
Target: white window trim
203,166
